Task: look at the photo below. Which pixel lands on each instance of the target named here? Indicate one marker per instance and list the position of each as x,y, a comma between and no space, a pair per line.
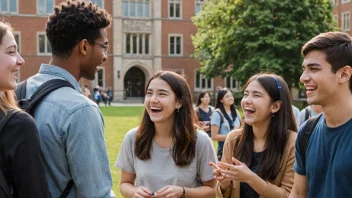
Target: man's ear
275,107
345,73
83,46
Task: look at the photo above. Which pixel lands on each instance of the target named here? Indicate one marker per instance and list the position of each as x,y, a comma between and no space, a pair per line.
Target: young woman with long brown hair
166,156
21,158
224,119
258,158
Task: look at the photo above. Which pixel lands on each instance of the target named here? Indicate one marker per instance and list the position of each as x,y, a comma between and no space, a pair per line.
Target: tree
242,37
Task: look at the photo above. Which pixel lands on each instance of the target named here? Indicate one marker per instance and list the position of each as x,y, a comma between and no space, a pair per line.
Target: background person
224,119
204,111
308,112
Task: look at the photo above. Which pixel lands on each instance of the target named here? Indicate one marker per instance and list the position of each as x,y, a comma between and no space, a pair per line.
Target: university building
146,36
342,14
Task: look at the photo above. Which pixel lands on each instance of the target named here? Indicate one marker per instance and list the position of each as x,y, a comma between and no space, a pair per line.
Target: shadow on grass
122,111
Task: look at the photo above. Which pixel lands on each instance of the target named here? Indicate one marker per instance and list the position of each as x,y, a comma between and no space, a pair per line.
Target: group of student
170,154
62,151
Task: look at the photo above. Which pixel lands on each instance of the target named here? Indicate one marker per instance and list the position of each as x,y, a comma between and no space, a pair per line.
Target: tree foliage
242,37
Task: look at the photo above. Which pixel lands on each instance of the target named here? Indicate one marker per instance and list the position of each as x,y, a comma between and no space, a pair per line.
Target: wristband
183,193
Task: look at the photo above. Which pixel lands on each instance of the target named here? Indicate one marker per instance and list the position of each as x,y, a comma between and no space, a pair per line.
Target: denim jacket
71,131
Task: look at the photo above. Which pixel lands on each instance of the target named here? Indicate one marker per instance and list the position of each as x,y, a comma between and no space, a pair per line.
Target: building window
334,2
100,3
336,18
44,47
135,8
17,37
175,45
199,4
45,6
100,77
175,9
345,21
8,6
202,82
345,1
232,84
137,44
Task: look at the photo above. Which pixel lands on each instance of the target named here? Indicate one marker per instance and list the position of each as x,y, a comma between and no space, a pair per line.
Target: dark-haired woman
204,111
166,156
224,119
258,159
22,171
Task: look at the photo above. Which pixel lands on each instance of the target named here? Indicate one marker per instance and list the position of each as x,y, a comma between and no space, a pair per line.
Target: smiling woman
19,141
263,150
166,156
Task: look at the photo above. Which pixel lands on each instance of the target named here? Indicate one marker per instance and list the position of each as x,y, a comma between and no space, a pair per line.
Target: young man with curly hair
71,126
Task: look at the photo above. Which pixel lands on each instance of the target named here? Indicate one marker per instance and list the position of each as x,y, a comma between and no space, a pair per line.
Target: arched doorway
134,82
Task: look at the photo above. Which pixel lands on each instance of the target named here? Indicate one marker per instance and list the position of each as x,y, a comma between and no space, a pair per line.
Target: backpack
307,116
221,117
29,104
6,190
306,133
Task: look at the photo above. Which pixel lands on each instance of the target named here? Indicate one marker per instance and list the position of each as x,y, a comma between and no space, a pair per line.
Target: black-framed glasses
104,46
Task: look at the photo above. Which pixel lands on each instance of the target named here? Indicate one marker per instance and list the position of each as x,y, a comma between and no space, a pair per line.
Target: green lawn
118,120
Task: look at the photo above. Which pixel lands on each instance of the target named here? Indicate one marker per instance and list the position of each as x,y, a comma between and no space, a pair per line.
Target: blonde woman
21,158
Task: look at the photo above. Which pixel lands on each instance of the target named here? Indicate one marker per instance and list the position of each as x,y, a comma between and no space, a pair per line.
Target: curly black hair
73,21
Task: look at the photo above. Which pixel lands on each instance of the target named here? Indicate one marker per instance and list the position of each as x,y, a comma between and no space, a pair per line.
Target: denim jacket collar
58,71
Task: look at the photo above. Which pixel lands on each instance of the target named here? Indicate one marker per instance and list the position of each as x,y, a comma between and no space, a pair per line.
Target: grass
118,120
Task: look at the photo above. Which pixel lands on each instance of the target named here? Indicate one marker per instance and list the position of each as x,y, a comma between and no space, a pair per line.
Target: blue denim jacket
71,131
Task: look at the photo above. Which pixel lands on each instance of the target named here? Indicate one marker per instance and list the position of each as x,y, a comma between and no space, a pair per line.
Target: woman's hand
169,191
238,172
204,125
142,192
224,182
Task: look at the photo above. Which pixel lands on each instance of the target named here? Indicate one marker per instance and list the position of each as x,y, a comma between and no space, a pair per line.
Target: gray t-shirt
160,170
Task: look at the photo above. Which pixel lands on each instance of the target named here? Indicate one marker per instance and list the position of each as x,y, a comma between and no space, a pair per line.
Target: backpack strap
29,104
21,90
67,189
221,116
307,116
306,133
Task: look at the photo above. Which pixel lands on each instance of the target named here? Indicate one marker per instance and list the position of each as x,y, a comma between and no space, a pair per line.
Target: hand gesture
238,172
142,192
224,182
169,192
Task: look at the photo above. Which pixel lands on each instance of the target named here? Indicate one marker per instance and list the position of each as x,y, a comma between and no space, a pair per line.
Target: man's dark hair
337,47
73,21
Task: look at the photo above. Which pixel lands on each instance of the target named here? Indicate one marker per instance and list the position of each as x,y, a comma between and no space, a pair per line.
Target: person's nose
20,60
105,58
304,77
